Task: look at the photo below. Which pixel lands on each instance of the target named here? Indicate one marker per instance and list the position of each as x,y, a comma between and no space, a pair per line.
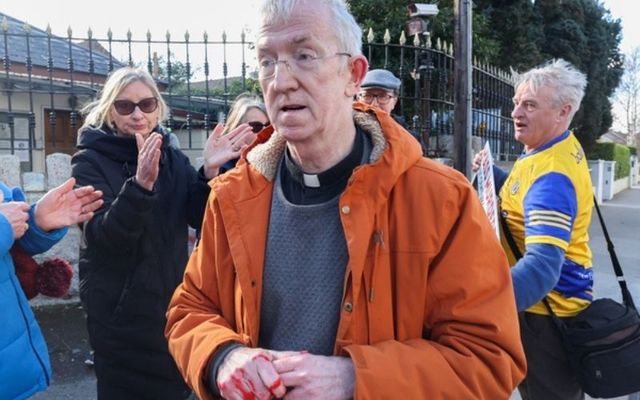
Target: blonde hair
97,112
243,103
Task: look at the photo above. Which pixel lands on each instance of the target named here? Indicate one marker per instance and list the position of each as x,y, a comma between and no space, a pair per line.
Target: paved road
64,327
65,331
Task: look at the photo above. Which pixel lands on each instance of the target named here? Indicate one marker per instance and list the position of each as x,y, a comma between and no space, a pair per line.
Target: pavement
64,328
65,331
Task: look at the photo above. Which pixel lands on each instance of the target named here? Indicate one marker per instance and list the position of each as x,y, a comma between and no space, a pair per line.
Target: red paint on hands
239,382
276,384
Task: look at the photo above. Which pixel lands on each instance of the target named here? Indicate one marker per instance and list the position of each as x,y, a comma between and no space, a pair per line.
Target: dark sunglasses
257,126
126,107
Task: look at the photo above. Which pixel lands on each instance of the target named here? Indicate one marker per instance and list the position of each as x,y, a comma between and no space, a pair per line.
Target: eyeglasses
126,107
302,61
257,126
382,98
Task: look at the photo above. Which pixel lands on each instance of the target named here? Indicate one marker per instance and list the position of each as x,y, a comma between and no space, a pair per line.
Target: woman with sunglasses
247,109
134,250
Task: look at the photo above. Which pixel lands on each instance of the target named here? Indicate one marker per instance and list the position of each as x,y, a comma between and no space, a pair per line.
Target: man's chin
294,133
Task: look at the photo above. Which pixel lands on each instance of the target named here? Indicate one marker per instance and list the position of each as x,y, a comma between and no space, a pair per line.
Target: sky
214,16
626,10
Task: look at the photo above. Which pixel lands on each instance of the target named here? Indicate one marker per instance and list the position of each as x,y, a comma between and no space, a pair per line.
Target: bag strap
626,295
507,234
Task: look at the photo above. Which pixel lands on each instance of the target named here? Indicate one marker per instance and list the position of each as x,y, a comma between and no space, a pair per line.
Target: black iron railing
46,80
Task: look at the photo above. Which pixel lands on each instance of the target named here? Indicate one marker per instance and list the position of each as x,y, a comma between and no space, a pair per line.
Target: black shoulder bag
603,341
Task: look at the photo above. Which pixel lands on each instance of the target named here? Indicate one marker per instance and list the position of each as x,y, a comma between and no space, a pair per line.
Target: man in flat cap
380,88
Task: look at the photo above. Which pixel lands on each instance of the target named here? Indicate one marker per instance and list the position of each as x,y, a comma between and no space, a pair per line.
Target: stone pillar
10,170
33,184
596,169
58,169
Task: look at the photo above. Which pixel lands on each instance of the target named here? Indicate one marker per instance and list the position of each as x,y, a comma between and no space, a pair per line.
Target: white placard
487,188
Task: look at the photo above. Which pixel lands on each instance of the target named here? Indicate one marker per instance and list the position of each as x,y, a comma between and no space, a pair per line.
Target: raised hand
17,213
311,376
221,148
148,160
64,206
477,159
247,373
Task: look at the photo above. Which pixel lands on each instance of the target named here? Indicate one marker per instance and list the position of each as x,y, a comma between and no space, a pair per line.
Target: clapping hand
148,160
64,206
221,148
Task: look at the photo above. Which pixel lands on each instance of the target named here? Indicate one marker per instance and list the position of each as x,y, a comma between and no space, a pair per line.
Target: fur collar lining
265,156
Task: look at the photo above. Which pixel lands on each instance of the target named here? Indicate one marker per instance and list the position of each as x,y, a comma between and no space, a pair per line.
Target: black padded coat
133,254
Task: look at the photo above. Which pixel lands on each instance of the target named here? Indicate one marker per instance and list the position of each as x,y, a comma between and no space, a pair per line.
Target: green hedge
633,150
612,152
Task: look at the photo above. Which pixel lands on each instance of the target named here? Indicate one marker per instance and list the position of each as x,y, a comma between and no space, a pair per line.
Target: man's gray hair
566,81
348,32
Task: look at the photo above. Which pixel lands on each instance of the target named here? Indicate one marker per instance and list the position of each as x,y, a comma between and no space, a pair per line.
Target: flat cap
381,78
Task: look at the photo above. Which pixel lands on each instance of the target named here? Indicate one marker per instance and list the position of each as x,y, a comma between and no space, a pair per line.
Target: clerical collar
333,174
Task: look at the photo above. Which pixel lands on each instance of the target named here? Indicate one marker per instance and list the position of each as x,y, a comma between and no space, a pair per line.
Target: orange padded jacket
428,306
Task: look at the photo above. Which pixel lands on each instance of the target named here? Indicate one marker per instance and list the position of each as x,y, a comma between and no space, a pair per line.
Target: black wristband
216,362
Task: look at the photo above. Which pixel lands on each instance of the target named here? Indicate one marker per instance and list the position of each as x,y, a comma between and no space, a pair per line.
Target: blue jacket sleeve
499,177
536,273
35,240
6,235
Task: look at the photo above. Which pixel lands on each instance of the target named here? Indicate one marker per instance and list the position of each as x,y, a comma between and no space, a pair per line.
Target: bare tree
628,95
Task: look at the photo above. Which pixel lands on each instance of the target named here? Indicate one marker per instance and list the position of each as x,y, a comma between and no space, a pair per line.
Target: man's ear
565,110
358,67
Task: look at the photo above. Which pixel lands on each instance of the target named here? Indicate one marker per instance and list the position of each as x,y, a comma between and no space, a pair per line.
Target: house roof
38,49
216,83
613,137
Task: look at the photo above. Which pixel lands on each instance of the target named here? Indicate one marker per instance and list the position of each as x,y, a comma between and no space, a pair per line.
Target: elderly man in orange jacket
335,261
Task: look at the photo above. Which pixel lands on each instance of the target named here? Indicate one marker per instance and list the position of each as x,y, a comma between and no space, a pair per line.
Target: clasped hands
248,373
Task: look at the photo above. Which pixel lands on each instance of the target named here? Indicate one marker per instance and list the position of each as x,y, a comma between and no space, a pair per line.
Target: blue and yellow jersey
548,199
